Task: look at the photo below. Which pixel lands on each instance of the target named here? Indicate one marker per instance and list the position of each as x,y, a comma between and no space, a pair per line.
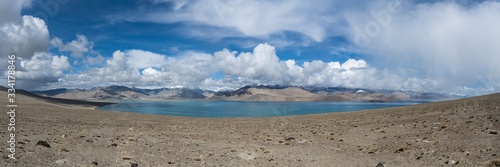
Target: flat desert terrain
451,133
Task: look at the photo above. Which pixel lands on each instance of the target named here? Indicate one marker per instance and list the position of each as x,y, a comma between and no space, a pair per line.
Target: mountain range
247,93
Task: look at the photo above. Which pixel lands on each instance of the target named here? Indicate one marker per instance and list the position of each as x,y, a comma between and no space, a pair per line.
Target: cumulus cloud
24,37
262,66
143,59
41,69
76,47
11,10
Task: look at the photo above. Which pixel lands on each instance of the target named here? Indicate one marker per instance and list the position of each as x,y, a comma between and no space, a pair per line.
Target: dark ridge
186,93
52,92
57,100
240,91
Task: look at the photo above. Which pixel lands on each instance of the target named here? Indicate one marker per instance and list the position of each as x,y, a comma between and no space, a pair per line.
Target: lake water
224,109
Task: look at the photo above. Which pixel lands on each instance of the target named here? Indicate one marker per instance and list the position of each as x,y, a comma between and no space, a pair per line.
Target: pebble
61,161
126,158
43,143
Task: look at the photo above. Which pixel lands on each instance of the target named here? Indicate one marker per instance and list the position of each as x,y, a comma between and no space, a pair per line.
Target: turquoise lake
232,109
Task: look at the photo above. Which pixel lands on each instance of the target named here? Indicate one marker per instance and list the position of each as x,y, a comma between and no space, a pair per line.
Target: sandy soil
452,133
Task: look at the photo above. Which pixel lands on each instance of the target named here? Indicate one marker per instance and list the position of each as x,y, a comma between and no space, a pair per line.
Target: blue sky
442,46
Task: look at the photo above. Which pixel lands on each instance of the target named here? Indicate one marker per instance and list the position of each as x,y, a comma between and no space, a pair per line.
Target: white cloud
77,47
11,10
262,66
451,43
24,37
95,60
60,63
41,69
143,59
252,18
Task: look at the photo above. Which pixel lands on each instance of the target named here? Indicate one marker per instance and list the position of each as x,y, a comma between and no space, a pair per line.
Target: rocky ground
452,133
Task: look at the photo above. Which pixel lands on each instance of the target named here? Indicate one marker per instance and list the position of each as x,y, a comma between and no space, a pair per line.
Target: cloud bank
261,66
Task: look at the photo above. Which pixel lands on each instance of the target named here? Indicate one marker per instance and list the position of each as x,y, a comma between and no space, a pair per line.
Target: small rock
61,161
453,162
94,163
134,165
131,129
170,162
114,145
197,159
64,150
43,143
126,158
400,149
380,164
493,132
495,163
290,138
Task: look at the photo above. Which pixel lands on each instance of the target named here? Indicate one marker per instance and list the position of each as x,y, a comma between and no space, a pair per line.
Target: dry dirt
452,133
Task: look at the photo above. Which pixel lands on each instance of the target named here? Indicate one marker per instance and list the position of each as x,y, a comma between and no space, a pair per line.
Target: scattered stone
399,150
372,150
64,149
170,162
341,140
61,161
94,163
197,159
43,143
380,164
267,152
493,132
233,150
126,158
134,165
89,140
290,138
131,129
452,162
114,145
495,163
